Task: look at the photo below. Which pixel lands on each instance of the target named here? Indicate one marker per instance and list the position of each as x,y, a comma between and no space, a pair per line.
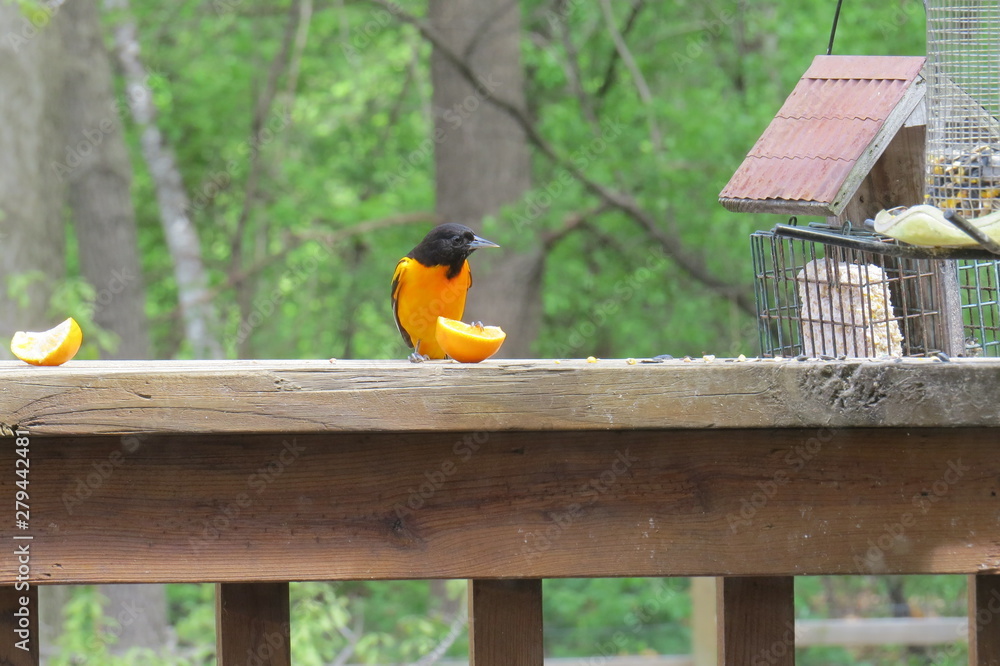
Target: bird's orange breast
421,294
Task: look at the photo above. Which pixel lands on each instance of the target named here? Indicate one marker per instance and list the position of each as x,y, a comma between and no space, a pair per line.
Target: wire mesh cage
963,103
979,284
963,141
863,295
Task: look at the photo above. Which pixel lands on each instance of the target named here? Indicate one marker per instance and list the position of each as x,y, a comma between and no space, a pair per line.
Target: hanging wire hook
833,29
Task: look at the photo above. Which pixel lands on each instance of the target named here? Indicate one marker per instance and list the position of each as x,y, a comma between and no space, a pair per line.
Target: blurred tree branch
687,259
294,240
608,81
645,96
353,636
571,66
200,316
283,61
261,109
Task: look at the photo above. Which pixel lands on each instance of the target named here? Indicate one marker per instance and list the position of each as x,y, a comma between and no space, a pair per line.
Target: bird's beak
478,242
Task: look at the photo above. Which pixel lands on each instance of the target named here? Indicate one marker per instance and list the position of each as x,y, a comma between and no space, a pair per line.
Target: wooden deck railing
251,474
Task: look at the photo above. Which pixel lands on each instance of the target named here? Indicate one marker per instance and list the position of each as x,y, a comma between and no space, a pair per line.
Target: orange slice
52,347
468,343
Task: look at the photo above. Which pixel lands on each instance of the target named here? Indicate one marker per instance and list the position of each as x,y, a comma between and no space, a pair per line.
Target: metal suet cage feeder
841,292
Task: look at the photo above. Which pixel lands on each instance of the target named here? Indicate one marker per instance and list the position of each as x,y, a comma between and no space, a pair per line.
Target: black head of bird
449,245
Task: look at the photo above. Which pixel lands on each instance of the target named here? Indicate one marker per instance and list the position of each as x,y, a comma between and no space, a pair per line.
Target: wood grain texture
756,621
505,623
253,624
895,179
984,620
511,505
14,620
121,398
867,163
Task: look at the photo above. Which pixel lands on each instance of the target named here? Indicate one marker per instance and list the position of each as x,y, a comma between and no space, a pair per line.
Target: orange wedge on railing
52,347
468,343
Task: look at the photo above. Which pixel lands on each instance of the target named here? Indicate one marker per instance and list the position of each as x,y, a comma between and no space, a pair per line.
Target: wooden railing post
18,626
984,620
756,616
505,622
252,624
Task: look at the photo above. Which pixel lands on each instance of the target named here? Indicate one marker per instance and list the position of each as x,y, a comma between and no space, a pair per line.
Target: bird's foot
417,357
477,324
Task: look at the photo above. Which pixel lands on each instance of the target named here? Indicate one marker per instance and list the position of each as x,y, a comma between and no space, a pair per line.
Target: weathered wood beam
511,505
756,621
130,398
252,624
505,623
984,620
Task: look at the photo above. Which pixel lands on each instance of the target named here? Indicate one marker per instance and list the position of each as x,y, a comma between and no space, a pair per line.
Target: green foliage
616,616
392,622
89,634
71,297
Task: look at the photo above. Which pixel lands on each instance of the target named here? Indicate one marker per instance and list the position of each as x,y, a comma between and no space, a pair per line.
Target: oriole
431,281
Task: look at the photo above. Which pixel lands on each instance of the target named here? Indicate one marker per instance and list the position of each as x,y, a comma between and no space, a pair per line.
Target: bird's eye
456,240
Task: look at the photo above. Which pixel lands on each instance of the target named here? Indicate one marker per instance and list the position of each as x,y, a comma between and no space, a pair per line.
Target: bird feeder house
847,143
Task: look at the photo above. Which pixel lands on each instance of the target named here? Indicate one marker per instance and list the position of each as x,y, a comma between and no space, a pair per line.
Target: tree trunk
99,181
31,197
482,157
137,616
98,175
32,237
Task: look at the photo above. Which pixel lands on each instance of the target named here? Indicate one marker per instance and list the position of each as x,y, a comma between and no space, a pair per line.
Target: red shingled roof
842,108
